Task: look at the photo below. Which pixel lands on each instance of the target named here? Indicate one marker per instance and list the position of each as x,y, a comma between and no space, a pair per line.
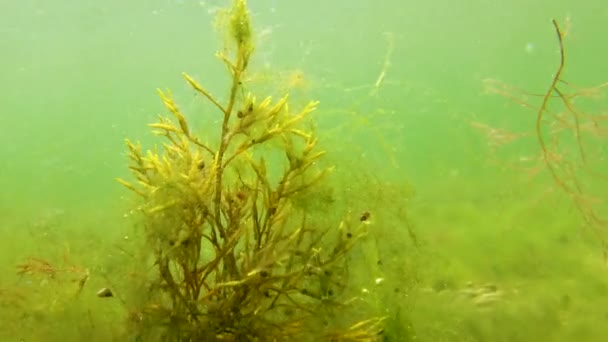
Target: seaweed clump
235,258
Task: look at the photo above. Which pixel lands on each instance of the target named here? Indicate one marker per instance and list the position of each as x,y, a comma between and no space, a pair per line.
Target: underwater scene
282,170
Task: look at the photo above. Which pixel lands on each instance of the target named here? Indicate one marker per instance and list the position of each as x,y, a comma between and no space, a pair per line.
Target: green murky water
503,253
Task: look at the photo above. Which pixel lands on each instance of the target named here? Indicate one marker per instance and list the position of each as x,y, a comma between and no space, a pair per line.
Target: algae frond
235,257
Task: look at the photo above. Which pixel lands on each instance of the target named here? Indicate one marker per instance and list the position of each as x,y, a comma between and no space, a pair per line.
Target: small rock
104,293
